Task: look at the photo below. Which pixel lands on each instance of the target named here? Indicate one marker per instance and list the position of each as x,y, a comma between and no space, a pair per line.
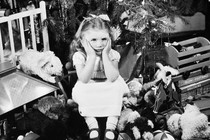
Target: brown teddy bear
44,121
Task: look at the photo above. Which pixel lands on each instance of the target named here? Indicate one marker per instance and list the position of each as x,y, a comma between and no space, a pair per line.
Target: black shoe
95,138
110,130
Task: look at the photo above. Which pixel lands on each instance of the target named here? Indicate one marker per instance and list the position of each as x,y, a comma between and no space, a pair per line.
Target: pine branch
61,20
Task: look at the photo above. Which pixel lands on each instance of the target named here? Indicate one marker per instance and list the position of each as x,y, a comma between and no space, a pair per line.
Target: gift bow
102,16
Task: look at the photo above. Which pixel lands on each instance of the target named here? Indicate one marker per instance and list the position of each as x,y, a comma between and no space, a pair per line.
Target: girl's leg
111,125
93,126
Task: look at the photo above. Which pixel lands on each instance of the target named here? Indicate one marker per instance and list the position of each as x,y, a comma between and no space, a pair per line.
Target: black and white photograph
104,70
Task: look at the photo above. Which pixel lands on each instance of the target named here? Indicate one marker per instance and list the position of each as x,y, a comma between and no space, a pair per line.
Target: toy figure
163,88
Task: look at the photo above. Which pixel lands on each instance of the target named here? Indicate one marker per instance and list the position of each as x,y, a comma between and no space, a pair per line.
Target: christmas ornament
162,135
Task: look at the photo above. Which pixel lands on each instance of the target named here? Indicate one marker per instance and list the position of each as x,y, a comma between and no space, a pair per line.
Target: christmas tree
144,25
144,17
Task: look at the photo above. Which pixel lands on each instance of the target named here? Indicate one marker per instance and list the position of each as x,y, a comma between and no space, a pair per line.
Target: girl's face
98,38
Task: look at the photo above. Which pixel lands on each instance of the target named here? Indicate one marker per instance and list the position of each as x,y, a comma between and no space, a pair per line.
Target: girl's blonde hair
87,24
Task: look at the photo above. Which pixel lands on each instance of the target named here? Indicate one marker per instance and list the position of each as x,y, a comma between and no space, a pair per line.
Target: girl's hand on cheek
88,49
108,47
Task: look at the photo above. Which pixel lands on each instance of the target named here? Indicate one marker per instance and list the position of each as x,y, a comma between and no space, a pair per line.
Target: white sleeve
78,58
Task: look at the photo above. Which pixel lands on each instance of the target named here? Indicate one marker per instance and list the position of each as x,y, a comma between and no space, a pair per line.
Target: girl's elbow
83,80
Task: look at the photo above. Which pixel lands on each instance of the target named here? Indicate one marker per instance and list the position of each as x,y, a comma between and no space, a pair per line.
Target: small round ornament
162,135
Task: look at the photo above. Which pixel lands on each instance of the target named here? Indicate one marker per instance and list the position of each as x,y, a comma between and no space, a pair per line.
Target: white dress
99,99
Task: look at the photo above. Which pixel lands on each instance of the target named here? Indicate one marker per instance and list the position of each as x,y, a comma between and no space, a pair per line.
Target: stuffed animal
142,128
51,106
132,98
44,64
44,120
162,88
192,124
52,119
138,125
163,73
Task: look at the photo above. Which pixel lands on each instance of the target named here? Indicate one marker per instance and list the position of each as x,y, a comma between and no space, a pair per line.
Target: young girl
100,88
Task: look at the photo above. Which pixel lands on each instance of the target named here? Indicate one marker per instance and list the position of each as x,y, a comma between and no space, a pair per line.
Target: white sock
111,124
92,123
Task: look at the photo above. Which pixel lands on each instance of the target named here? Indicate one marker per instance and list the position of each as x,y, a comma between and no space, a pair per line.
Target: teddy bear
44,120
44,64
132,98
130,120
190,124
52,118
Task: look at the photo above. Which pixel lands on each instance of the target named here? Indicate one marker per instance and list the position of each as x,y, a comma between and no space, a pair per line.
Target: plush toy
164,73
132,98
52,119
173,124
44,64
192,124
139,126
51,106
44,120
162,88
142,128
